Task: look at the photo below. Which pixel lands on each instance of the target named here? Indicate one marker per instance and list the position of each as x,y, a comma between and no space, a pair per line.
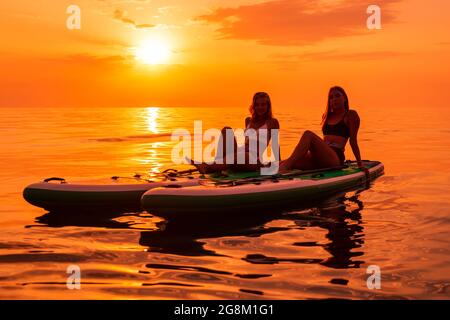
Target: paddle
176,173
168,174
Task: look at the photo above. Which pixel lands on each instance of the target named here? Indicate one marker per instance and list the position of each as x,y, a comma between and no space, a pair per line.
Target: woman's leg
223,154
321,155
247,165
220,161
304,163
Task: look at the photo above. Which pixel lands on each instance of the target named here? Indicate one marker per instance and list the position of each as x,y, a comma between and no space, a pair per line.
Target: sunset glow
236,151
140,53
153,52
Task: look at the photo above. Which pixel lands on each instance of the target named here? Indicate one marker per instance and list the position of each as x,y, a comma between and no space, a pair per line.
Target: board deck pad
238,192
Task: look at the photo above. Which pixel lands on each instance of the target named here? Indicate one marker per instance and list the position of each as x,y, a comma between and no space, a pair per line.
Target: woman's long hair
327,110
268,115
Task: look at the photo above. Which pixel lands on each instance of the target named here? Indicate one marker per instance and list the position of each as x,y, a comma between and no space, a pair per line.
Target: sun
153,52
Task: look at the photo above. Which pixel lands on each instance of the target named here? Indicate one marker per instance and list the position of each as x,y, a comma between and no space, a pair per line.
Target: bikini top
264,126
258,133
338,129
252,140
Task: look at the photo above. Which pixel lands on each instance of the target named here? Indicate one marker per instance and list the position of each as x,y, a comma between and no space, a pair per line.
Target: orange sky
222,51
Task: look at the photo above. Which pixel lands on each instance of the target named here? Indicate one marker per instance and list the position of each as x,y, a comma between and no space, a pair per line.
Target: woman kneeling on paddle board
339,124
261,118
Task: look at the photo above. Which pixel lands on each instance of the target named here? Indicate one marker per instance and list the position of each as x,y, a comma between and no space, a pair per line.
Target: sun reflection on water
152,119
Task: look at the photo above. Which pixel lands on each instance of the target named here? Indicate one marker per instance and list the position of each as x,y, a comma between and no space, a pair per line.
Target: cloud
293,61
295,22
338,56
92,39
121,16
90,60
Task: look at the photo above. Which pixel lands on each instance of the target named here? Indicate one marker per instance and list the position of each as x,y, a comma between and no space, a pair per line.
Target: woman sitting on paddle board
261,118
339,125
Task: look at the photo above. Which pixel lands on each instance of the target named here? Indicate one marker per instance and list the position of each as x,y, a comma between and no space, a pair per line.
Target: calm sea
401,224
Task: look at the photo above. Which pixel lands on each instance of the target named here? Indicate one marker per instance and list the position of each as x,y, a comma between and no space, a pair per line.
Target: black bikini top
338,129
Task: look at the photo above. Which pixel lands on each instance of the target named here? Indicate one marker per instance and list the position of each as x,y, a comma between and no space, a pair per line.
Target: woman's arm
353,124
247,121
274,124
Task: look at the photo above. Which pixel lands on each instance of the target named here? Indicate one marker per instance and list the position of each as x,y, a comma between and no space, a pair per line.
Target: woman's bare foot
201,167
205,168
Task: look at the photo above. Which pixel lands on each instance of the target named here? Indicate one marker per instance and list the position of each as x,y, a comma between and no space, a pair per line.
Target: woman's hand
353,124
363,169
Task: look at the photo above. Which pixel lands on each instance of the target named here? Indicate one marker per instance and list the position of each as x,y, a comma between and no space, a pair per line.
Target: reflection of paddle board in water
233,194
114,194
